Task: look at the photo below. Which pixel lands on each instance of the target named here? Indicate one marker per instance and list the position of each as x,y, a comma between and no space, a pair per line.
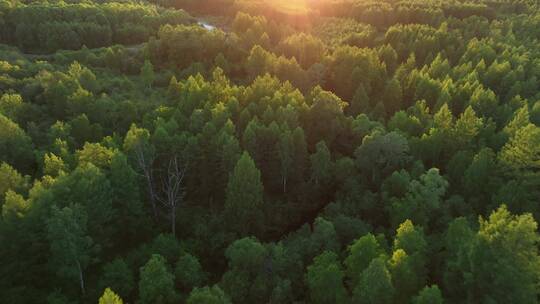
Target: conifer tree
244,201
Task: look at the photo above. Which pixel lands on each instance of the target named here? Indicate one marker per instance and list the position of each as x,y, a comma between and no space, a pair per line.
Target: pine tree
393,96
147,74
244,199
321,164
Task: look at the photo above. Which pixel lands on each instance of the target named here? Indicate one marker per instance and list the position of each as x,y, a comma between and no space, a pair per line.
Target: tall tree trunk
145,163
81,278
151,193
173,220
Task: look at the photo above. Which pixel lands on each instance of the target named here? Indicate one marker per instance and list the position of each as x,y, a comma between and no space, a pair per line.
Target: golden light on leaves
291,6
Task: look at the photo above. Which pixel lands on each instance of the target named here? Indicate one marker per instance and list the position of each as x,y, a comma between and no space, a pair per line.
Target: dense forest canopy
249,151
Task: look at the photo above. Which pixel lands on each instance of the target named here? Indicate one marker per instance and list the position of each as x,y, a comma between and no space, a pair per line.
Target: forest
278,151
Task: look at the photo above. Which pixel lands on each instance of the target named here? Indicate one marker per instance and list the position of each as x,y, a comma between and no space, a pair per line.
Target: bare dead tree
172,189
145,161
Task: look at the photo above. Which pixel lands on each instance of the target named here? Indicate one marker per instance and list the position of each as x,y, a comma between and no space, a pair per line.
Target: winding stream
206,25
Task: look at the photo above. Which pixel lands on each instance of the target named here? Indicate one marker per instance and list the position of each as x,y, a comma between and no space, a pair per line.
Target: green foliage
15,206
71,247
404,276
34,28
262,270
361,253
380,155
422,199
429,295
337,31
109,297
392,97
156,284
95,154
375,285
410,238
15,145
321,164
188,272
325,279
118,276
53,165
184,45
208,295
323,128
10,179
520,155
11,106
244,197
307,49
147,74
505,250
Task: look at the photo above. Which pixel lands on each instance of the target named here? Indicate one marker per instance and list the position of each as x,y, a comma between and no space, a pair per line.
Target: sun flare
291,6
